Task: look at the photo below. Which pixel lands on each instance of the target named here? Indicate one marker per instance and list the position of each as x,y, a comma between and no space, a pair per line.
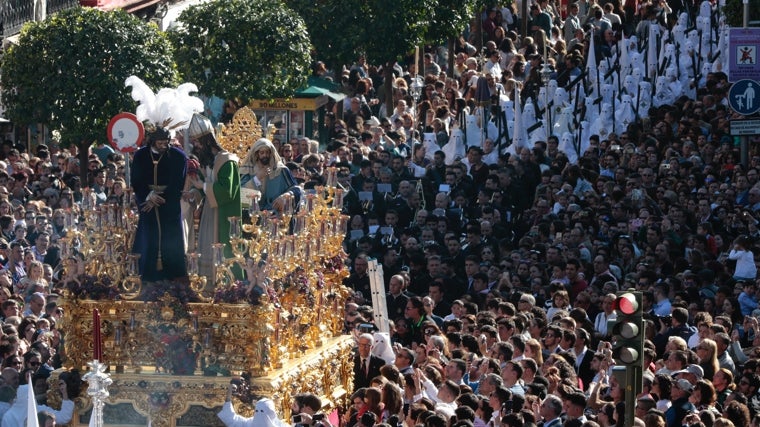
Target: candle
275,227
118,335
288,208
98,218
207,338
86,200
300,223
291,248
217,250
127,199
277,325
338,200
195,321
65,250
235,232
111,215
255,203
132,320
109,249
96,344
68,220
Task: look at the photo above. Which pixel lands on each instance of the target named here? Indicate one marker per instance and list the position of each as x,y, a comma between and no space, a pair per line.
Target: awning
128,5
316,92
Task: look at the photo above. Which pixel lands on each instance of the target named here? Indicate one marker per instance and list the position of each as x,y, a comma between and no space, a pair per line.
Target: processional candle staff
96,337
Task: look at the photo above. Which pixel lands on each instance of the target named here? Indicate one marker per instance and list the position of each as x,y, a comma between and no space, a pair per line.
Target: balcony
15,13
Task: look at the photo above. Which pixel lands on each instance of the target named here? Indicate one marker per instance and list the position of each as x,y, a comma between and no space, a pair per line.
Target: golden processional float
172,348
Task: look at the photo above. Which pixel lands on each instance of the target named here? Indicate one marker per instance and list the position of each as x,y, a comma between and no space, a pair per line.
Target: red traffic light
626,304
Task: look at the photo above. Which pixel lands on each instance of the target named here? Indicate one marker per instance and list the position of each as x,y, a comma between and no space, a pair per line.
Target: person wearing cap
681,407
692,373
219,184
158,175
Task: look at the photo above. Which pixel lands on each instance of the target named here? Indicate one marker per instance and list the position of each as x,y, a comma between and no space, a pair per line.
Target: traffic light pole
633,376
629,379
628,348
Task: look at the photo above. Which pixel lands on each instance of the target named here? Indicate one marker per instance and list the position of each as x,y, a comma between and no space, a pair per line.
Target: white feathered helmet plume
164,112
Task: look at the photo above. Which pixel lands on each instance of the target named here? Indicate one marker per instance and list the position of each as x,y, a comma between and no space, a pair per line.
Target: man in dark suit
583,355
550,411
366,365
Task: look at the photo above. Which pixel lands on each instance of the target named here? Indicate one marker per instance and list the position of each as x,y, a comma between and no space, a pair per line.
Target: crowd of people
500,262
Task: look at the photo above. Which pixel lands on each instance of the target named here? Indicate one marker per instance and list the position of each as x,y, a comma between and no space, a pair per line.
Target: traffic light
628,329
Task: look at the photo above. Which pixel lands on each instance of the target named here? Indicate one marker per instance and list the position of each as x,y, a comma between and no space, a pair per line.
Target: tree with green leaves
247,49
336,28
451,19
735,12
68,71
383,31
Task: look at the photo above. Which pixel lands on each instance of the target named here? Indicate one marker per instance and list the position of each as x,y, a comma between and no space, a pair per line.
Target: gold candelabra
294,257
300,252
103,240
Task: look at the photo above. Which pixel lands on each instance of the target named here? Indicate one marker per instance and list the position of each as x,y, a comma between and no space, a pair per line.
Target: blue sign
743,97
743,46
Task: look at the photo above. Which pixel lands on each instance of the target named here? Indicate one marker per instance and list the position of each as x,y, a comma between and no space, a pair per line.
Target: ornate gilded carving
166,400
241,133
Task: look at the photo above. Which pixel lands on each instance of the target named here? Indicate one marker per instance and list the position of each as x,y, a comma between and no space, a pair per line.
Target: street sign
743,47
125,132
742,97
744,127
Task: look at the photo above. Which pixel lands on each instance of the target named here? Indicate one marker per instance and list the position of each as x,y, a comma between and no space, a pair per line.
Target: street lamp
415,89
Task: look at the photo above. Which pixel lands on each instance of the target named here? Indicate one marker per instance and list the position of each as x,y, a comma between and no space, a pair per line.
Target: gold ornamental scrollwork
164,398
241,133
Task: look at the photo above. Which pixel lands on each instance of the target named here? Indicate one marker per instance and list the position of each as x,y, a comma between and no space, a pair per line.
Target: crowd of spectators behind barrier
500,271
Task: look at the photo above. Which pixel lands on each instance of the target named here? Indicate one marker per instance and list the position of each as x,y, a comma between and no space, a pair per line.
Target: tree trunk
84,163
388,72
451,57
478,30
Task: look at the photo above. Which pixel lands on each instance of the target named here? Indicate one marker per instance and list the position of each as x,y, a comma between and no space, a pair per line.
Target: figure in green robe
220,188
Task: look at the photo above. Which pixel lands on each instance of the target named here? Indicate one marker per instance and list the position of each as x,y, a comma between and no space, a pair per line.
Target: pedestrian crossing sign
742,97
